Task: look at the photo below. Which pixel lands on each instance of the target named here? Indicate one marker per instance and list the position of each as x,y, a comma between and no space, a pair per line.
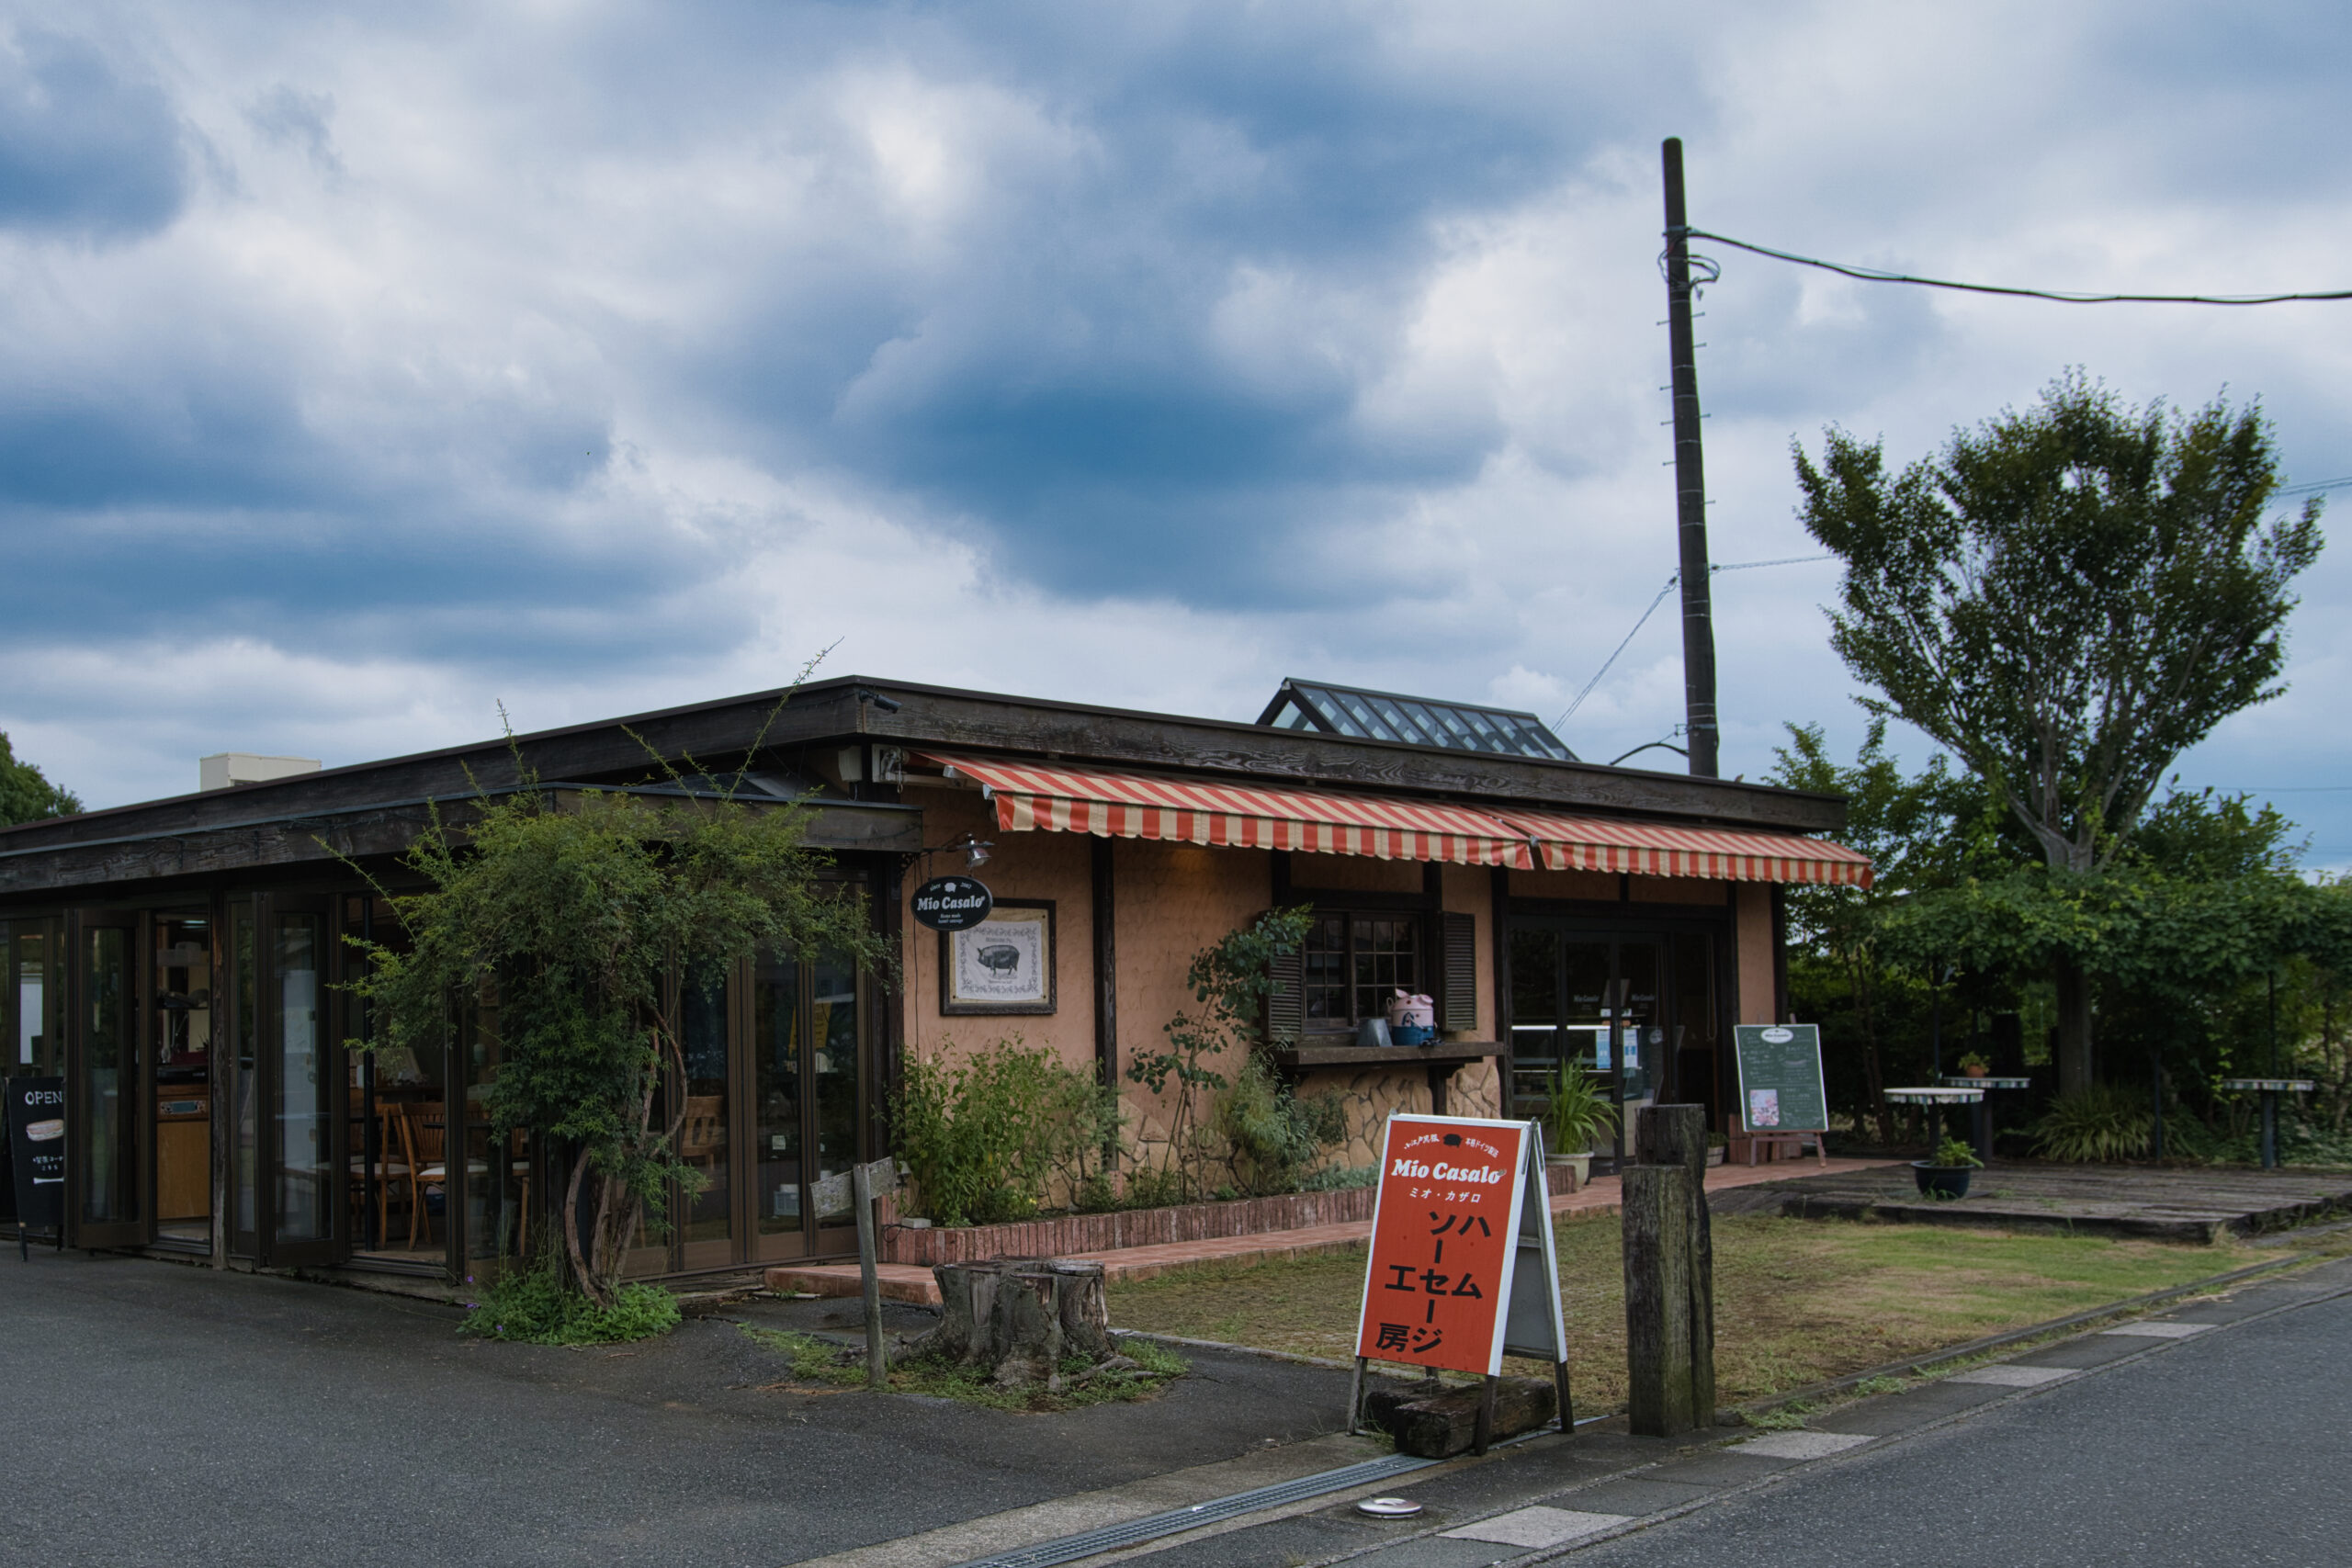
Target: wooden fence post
1670,1275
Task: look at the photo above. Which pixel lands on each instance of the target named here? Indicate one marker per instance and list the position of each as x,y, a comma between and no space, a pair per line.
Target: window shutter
1457,970
1286,1002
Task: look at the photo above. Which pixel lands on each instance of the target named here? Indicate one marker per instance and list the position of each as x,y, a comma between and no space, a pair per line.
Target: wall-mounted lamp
888,705
975,850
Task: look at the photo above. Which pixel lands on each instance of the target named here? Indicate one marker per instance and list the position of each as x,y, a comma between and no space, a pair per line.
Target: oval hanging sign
953,903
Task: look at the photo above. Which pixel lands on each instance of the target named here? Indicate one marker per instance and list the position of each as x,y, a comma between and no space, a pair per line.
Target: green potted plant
1577,1110
1944,1174
1974,1066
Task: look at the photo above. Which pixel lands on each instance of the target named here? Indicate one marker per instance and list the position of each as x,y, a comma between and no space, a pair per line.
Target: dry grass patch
1796,1301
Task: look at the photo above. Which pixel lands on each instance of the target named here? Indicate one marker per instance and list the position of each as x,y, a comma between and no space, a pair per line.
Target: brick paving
911,1282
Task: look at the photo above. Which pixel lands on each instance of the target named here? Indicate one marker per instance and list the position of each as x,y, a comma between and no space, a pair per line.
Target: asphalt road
154,1412
2228,1448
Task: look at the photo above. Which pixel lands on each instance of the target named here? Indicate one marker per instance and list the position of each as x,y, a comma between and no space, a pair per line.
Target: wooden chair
424,1133
703,1139
390,1167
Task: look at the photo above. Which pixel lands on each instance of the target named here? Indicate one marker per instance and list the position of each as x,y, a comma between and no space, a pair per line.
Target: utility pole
1689,481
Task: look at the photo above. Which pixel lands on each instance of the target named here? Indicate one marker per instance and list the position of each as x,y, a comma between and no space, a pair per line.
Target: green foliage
984,1140
535,1306
1339,1178
1231,979
1270,1134
2067,597
564,918
1577,1110
1974,1062
1955,1153
2096,1124
26,796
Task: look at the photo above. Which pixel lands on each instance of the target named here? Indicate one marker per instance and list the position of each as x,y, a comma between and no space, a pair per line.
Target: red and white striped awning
1031,796
1652,849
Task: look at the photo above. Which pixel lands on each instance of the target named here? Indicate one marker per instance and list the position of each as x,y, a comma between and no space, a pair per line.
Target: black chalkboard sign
1780,1078
37,1154
952,903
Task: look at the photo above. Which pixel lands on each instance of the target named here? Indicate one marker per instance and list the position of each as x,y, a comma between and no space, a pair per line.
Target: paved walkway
914,1282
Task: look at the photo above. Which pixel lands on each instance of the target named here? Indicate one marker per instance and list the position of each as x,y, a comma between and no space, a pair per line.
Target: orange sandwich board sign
1463,1270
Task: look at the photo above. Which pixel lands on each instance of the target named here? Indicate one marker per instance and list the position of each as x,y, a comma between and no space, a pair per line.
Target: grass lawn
1796,1301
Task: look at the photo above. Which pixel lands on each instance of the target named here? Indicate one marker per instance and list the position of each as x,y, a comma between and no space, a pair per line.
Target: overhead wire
2063,297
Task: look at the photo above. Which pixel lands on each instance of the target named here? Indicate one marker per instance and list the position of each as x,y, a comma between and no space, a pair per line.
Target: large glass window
303,1112
775,1092
26,1000
702,1138
835,1081
180,1024
109,1078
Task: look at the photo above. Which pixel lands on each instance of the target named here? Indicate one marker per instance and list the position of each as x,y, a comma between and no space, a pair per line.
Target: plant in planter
1577,1110
1974,1066
1944,1174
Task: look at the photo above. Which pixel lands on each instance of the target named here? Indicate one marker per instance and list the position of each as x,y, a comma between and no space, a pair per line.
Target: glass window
702,1138
1353,963
834,1080
302,1110
110,1078
775,1089
26,1001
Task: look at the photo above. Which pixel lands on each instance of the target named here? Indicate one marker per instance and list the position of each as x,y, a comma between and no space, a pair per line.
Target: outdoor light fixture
975,850
888,705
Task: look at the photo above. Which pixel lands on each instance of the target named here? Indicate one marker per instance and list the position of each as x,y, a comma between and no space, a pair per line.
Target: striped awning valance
1653,848
1032,795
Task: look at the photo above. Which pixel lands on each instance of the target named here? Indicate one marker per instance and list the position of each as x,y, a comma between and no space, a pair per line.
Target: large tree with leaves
25,794
2066,598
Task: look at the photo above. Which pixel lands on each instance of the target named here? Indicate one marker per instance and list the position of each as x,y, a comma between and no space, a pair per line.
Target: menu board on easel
1780,1078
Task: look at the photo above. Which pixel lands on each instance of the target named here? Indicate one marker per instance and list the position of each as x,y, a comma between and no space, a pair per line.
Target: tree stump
1022,1318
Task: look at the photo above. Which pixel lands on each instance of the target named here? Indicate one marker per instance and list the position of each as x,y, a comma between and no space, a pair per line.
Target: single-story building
178,962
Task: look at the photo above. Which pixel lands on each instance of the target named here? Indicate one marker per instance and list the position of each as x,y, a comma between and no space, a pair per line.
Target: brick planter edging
1066,1234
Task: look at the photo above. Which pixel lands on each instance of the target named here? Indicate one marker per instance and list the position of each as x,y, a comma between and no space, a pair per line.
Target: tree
2065,599
579,912
25,794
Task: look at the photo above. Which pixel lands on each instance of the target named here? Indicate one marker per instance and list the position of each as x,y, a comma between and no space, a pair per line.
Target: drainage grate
1216,1510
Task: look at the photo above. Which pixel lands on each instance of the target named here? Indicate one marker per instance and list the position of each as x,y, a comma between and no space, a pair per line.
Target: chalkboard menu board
37,1151
1780,1078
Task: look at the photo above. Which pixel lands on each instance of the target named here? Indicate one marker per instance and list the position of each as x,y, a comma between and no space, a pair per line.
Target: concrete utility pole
1689,481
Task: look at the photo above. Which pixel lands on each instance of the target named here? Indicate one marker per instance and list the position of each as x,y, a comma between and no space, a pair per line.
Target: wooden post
1483,1434
1670,1275
877,1369
1355,1398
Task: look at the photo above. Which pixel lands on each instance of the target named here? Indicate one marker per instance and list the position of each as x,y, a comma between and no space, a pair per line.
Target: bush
1271,1134
985,1140
2102,1123
533,1305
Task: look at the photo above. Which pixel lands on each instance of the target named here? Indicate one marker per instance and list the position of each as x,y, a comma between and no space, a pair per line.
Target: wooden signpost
868,1182
1463,1270
1781,1100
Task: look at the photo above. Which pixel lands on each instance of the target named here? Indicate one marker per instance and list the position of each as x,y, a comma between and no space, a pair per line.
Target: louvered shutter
1457,958
1285,1014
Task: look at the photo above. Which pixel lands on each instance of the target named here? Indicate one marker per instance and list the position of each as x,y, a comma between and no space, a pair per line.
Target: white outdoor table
1983,1106
1934,1097
2270,1089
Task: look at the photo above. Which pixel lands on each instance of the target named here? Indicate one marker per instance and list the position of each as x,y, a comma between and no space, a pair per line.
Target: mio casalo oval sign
953,903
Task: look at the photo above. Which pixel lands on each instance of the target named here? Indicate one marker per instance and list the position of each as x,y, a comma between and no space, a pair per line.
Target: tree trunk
2074,1060
1022,1318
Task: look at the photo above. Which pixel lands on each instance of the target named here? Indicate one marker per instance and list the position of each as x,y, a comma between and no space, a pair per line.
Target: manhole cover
1388,1507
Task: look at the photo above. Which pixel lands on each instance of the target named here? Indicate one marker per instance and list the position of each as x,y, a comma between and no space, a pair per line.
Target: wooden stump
1022,1318
1439,1425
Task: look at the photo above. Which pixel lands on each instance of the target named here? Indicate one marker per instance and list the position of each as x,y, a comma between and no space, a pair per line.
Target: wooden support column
1106,961
1670,1275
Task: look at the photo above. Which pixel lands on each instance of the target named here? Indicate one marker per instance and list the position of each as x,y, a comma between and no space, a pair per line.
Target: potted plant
1974,1066
1577,1110
1718,1146
1944,1174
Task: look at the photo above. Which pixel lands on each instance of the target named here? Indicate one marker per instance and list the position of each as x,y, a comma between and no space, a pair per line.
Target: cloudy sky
365,366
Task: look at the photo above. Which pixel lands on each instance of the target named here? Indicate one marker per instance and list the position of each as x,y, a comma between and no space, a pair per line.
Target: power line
2314,487
1873,275
1569,712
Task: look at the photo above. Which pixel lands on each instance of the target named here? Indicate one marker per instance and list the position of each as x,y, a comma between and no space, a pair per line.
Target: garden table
1934,1097
2270,1089
1983,1106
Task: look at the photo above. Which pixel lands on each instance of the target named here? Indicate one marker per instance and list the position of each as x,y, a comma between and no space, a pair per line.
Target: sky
369,368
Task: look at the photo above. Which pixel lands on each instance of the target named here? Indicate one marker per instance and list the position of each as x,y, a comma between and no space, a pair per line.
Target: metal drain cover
1388,1507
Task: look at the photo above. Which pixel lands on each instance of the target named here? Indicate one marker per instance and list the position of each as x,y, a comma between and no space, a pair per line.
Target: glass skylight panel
1416,721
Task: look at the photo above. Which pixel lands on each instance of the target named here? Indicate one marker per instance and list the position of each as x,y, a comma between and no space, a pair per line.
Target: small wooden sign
1780,1078
952,903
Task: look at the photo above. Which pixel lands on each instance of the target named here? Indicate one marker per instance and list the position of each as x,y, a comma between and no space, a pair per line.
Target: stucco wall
1676,890
1585,884
1752,934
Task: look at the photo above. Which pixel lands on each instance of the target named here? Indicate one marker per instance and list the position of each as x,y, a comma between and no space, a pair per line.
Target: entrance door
107,1160
286,1160
808,1111
1601,1003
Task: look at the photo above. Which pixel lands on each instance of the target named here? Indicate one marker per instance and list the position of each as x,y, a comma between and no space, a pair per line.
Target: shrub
985,1140
2101,1123
533,1305
1577,1110
1271,1134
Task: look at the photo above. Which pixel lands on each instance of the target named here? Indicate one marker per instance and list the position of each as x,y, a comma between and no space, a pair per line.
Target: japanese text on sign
1443,1242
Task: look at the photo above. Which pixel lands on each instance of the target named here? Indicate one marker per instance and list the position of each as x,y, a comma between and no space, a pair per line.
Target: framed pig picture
1004,964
